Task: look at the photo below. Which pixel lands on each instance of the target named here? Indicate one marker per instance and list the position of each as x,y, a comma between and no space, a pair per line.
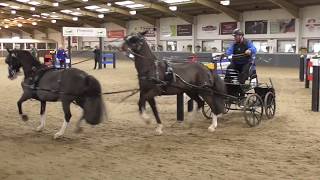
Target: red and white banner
116,34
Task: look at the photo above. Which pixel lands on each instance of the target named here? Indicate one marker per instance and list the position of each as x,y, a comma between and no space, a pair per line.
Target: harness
169,75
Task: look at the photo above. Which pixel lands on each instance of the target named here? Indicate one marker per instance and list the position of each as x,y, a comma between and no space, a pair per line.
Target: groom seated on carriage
242,52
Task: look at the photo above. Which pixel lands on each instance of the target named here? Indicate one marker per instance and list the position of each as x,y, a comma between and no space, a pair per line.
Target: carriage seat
232,75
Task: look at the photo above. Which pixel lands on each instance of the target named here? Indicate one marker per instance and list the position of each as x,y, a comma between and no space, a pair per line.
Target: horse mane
26,55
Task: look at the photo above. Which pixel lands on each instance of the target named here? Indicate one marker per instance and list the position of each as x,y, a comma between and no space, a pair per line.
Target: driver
245,50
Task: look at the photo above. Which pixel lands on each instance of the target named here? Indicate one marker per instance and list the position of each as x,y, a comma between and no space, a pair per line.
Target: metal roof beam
165,9
223,9
288,6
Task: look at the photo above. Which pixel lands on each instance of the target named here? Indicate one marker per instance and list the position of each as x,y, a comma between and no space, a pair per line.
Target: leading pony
65,85
161,78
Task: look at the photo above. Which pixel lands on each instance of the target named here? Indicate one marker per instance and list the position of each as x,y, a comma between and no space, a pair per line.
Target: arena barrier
109,58
180,106
308,72
315,83
302,63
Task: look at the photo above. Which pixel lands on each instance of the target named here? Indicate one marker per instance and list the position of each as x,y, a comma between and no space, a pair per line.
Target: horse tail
93,105
219,91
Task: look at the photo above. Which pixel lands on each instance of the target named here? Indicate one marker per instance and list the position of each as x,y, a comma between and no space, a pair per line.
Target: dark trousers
95,63
62,64
243,70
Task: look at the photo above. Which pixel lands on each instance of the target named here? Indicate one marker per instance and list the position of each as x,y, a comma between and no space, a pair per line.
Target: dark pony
162,78
65,85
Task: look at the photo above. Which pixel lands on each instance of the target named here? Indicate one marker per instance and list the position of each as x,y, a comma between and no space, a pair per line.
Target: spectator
61,57
97,54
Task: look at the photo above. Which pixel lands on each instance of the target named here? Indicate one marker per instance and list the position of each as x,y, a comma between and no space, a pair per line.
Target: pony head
13,62
134,41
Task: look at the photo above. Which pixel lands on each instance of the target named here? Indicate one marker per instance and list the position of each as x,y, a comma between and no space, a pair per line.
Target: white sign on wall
84,32
313,24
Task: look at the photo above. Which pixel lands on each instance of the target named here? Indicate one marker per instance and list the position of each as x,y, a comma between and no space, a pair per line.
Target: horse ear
144,32
9,51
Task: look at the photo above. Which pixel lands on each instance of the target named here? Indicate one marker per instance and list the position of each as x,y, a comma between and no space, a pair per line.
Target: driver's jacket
240,48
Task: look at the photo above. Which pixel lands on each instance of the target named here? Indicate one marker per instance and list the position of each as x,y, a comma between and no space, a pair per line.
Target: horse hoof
145,116
211,129
39,129
78,130
57,135
189,123
24,117
159,132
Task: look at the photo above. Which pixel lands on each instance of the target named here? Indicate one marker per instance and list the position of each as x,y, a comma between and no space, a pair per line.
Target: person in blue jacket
61,56
246,52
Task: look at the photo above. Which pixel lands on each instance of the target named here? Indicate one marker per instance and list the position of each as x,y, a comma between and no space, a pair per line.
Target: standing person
61,56
34,51
245,47
97,54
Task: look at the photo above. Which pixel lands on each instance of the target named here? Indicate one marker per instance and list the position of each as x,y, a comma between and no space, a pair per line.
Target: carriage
252,98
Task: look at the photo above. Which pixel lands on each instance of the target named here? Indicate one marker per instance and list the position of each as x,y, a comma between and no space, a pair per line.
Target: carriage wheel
270,105
206,111
253,110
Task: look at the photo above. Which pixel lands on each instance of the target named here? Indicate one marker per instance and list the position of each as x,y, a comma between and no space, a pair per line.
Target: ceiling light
132,6
35,15
54,16
45,14
4,4
44,17
53,21
103,10
13,12
15,7
75,18
7,20
34,23
6,26
85,0
100,15
19,25
76,13
123,3
55,4
32,8
133,12
0,28
66,11
225,2
175,1
35,3
20,17
78,8
24,1
173,8
108,4
92,7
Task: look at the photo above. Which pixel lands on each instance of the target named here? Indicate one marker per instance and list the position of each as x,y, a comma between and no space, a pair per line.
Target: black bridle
13,66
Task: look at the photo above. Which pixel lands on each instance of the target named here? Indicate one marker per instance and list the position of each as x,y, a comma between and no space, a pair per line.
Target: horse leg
152,103
200,104
215,112
67,116
142,108
195,97
43,116
79,129
22,99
